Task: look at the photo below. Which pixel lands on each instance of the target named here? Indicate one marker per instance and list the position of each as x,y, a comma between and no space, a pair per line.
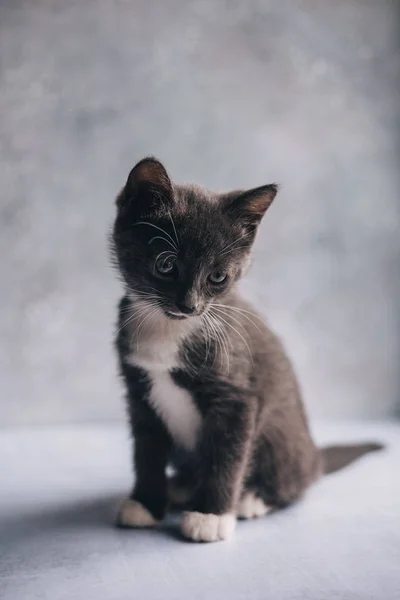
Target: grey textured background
228,94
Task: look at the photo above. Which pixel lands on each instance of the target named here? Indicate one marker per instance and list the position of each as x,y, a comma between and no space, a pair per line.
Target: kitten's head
179,247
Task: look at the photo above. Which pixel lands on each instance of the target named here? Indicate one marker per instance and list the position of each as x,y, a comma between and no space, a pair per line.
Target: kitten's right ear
148,187
249,207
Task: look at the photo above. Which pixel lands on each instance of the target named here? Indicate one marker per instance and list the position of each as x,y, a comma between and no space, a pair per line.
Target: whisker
160,237
238,333
227,346
137,312
233,250
239,312
207,339
217,336
165,252
146,293
139,295
212,328
125,323
227,314
173,225
242,237
242,310
222,337
139,330
189,363
214,332
160,229
138,299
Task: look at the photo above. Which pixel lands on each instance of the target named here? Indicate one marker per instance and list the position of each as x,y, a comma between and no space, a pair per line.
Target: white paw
207,527
134,514
250,506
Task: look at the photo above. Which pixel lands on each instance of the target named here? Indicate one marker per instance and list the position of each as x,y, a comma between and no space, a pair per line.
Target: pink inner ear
147,187
259,204
255,202
151,171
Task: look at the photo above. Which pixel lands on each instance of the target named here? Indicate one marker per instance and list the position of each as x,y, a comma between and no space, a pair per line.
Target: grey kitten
210,390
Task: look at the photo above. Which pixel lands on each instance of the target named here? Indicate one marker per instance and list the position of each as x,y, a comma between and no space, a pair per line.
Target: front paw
251,507
133,514
201,527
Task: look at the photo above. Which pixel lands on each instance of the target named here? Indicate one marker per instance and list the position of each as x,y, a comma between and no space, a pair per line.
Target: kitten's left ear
147,188
249,207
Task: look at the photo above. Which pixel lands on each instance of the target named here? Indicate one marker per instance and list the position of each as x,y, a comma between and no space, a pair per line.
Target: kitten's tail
337,457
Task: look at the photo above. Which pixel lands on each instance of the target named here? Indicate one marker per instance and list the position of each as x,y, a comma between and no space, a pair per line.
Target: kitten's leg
148,502
182,484
179,492
181,489
224,452
284,463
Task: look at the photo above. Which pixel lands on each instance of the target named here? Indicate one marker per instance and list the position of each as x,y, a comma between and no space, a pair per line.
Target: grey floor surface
60,487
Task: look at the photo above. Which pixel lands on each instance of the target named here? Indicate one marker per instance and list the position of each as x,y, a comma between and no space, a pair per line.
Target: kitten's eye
217,277
165,264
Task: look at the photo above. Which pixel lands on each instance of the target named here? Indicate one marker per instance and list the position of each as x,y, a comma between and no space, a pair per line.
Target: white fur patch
201,527
176,408
134,514
155,349
155,338
250,506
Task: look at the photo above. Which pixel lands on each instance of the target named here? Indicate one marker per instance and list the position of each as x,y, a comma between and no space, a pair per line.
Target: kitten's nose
187,309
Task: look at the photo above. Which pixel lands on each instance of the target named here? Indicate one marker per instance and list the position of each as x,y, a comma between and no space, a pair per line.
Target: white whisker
173,225
154,290
173,254
238,333
160,229
214,333
207,337
242,237
160,237
233,250
242,312
249,312
138,294
125,323
152,311
137,312
221,336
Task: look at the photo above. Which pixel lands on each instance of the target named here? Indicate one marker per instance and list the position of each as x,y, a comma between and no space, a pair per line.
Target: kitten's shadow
87,514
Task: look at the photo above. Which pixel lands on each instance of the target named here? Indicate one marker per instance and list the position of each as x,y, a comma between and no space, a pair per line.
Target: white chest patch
176,407
156,353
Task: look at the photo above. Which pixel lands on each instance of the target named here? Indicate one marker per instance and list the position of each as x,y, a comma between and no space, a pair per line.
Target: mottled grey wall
227,93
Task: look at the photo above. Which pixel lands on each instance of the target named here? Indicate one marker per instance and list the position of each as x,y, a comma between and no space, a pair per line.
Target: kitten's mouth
177,316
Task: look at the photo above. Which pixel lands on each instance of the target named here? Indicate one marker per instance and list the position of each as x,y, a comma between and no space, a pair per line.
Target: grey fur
254,436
